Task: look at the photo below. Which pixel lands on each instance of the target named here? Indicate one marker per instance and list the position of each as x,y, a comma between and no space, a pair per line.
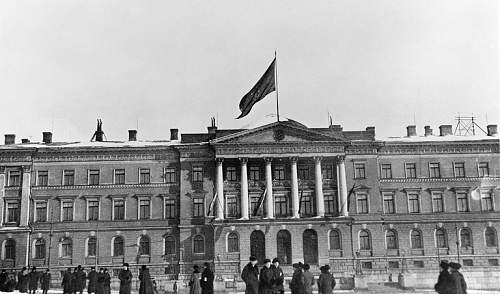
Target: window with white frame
413,202
365,240
434,170
441,238
144,245
14,178
92,246
359,170
389,205
118,246
39,249
169,245
92,209
386,171
233,243
437,202
362,203
43,178
12,212
198,244
198,207
462,201
10,249
93,177
459,169
254,173
279,173
411,170
170,175
118,208
66,210
231,174
483,169
144,208
486,201
170,208
66,248
119,177
144,176
69,177
40,211
416,239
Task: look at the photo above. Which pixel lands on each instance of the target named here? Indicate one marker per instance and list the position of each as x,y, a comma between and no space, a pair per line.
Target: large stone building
329,196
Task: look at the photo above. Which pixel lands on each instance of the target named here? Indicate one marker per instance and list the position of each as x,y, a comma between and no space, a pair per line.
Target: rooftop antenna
466,126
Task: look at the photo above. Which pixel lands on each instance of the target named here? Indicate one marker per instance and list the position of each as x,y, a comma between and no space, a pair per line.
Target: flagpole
276,84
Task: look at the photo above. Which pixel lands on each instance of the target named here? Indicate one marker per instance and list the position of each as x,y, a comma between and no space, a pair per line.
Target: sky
153,65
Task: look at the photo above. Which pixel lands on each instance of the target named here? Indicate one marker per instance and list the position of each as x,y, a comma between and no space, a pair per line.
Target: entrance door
284,247
310,246
258,245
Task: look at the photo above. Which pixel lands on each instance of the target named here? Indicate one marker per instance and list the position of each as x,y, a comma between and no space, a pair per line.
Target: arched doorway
258,245
310,246
284,247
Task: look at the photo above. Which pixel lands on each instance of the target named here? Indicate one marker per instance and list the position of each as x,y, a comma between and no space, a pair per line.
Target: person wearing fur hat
250,276
266,278
297,282
125,277
458,284
444,280
33,278
278,277
326,281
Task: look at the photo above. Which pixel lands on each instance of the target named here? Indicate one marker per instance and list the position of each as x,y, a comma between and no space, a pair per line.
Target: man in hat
266,278
66,281
250,276
297,282
278,277
125,277
92,277
326,281
80,279
33,280
308,279
444,280
45,281
207,280
458,285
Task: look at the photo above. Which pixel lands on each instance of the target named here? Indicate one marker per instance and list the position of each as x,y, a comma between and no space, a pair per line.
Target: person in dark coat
207,280
107,281
66,282
444,280
92,277
250,276
33,277
266,278
297,282
326,281
125,277
308,279
80,279
45,281
278,277
146,286
11,284
458,284
100,282
22,280
3,279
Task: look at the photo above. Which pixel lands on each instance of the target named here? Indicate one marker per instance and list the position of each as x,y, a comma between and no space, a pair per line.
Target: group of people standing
201,283
270,279
27,282
450,280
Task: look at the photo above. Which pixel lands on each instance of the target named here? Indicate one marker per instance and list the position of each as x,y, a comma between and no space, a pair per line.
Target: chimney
428,131
174,134
411,131
10,139
371,130
47,137
492,130
445,130
25,141
212,129
132,135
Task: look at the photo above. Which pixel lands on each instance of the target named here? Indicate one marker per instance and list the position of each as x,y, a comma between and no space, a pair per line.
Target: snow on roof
432,138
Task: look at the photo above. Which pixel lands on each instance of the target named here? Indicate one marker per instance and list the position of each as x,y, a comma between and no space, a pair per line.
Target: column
269,190
342,185
25,196
295,188
3,181
244,189
219,178
320,202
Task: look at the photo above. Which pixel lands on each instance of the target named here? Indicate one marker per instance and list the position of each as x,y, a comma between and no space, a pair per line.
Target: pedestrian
444,279
45,281
297,282
33,280
174,287
100,282
207,280
308,279
250,276
74,280
11,283
80,279
107,281
125,277
266,278
146,286
155,289
278,277
22,280
66,281
326,281
458,284
92,277
194,283
3,279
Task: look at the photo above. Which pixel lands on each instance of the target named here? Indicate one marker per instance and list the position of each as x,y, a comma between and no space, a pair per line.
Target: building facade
317,195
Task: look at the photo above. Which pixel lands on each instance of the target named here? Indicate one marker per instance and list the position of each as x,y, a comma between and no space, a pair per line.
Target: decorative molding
277,148
442,179
105,186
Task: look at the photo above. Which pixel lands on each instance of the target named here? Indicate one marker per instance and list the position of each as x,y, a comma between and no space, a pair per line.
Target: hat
306,267
444,264
276,260
267,260
79,267
455,265
207,264
125,264
253,258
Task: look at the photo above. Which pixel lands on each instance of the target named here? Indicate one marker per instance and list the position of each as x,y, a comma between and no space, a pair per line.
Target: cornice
439,180
109,186
453,147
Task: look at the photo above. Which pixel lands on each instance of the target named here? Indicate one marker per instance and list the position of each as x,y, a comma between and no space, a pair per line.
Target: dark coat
92,277
278,279
80,279
207,281
250,276
22,281
67,281
458,284
125,277
3,278
266,281
297,282
45,281
443,285
100,283
308,282
33,280
326,283
146,286
107,283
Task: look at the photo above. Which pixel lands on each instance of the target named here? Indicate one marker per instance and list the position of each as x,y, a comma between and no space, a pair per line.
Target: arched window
465,238
118,246
233,243
258,245
441,240
66,247
491,237
144,245
169,245
10,249
284,247
335,240
91,246
364,240
416,239
391,239
198,244
39,249
310,246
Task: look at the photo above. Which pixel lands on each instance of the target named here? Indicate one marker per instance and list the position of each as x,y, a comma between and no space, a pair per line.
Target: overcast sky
174,64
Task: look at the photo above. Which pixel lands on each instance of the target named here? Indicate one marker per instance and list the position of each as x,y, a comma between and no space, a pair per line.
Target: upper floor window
170,176
144,209
410,170
254,202
198,207
437,202
462,202
491,237
66,247
330,204
170,209
359,170
254,173
118,209
41,211
198,244
12,212
391,239
69,177
231,173
39,249
486,201
303,172
385,171
144,245
232,206
441,240
459,169
94,177
43,178
233,243
93,209
14,178
389,206
118,246
483,169
465,238
416,239
67,211
327,172
10,249
281,206
169,245
197,174
362,203
92,246
434,170
306,205
144,176
279,172
335,240
413,203
119,176
364,240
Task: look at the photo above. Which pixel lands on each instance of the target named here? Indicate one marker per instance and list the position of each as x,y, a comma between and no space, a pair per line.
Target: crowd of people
450,280
201,283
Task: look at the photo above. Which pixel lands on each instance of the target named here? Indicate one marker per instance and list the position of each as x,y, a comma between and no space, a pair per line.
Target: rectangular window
434,170
43,178
468,262
393,264
232,206
418,263
93,206
119,176
144,209
437,202
281,206
197,174
413,203
279,173
359,170
41,211
327,172
254,201
366,265
170,211
119,209
231,173
462,202
306,205
94,177
484,169
411,170
389,207
385,171
493,262
170,176
67,211
254,173
12,212
144,176
14,178
198,207
331,204
362,203
69,177
303,172
486,201
459,169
